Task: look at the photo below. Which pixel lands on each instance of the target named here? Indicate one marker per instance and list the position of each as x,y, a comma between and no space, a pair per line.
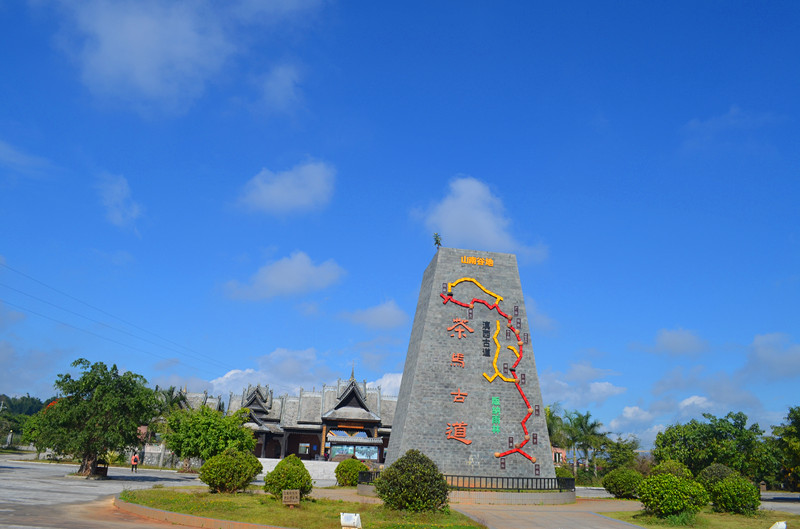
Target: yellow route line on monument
497,355
497,298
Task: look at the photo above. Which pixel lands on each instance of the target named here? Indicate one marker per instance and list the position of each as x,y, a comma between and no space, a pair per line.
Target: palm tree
437,240
588,435
556,427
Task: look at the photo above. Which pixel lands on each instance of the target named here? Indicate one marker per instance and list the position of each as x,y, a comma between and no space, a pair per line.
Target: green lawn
312,514
708,519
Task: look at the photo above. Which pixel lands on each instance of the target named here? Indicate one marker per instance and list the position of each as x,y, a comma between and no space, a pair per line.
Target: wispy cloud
152,51
21,162
389,383
284,370
164,54
292,275
281,88
302,188
579,386
631,416
8,317
674,342
471,216
539,321
773,357
734,128
387,315
115,195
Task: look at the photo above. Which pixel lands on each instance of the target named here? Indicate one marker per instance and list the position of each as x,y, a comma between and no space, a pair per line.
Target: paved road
39,495
781,501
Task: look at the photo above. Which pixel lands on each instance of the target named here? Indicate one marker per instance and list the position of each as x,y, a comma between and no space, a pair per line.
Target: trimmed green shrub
563,472
413,483
670,466
666,494
622,482
347,472
713,474
230,471
289,474
736,494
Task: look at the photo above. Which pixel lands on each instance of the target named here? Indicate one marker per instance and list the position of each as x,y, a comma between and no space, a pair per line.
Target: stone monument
470,397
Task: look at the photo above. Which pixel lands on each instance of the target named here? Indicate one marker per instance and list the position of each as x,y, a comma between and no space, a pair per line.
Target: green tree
621,453
726,440
205,433
99,412
787,442
588,436
556,427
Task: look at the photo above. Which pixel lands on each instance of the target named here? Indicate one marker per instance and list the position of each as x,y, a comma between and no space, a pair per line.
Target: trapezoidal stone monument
470,397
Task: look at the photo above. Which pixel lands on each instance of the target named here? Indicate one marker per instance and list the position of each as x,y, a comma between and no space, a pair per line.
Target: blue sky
223,194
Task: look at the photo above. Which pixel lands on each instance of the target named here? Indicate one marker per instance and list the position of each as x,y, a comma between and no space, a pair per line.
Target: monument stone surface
470,397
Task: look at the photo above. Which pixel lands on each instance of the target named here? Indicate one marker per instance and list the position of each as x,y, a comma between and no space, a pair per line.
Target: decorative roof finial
353,371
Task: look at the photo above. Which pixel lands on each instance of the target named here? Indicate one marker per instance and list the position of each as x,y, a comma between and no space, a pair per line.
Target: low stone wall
496,497
158,455
511,498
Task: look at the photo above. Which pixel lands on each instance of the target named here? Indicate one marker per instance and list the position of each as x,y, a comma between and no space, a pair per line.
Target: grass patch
312,514
708,519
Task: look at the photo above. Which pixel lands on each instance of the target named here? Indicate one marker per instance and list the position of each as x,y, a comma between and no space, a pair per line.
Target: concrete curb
186,519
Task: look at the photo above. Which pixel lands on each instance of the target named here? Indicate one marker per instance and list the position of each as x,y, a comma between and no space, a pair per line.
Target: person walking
135,462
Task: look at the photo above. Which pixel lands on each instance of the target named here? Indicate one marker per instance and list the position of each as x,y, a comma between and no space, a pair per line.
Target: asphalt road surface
39,495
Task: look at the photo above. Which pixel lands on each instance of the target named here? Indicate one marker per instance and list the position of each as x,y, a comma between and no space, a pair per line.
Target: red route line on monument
496,306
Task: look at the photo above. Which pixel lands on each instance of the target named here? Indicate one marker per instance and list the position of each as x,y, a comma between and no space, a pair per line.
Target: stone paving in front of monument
37,495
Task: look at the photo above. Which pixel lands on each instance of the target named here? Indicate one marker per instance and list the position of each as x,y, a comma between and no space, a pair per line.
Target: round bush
736,494
666,494
670,466
289,474
713,474
347,472
413,483
230,471
622,482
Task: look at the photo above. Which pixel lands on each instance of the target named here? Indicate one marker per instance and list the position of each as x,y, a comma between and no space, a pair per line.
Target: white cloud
674,342
280,87
155,51
304,187
471,217
283,370
291,275
539,321
727,130
389,383
387,315
631,415
579,386
679,342
20,162
695,403
773,357
165,53
29,370
115,194
8,317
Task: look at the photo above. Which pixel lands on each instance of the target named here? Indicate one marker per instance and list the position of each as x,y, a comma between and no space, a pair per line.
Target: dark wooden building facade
343,419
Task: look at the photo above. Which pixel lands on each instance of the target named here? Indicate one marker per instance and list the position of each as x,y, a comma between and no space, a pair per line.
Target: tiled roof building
342,419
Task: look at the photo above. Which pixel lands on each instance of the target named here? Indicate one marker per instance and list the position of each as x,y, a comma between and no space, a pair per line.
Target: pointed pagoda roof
351,405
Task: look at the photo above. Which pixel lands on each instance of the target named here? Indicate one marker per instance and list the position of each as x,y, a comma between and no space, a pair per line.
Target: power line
98,309
123,331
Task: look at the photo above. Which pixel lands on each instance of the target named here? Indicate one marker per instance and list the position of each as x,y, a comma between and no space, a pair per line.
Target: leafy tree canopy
205,433
787,440
621,453
99,412
725,440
